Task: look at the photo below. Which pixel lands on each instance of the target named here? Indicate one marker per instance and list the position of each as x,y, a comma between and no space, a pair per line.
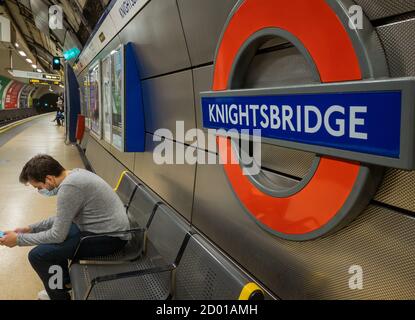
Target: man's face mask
48,191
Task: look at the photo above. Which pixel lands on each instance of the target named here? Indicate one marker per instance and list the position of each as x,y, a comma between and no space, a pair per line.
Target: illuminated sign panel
44,83
71,54
35,75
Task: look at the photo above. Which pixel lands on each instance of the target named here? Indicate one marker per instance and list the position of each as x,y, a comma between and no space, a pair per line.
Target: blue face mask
49,193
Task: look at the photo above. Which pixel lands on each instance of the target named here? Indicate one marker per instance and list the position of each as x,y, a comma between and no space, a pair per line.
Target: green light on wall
71,54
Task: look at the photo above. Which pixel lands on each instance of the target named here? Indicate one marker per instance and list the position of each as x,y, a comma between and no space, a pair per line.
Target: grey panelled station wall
176,43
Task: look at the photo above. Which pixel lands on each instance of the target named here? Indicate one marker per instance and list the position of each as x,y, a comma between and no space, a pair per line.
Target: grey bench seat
153,286
177,264
164,241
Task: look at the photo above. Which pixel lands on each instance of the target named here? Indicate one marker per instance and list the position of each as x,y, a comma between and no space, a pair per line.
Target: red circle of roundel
321,32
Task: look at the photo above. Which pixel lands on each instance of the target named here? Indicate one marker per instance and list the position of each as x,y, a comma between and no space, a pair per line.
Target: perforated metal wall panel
202,81
398,187
381,241
292,162
397,39
376,9
278,68
127,159
103,163
158,37
169,99
203,22
104,144
173,183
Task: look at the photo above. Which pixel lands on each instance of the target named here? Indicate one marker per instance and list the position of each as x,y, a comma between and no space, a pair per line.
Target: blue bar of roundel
382,120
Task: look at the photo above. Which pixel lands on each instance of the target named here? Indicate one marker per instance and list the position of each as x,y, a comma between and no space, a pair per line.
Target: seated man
86,205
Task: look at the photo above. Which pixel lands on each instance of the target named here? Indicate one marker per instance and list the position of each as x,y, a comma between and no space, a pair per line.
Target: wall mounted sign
35,75
12,95
355,126
24,96
4,82
368,121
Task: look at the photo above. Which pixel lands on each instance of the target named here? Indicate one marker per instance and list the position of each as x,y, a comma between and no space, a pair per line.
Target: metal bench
177,265
149,277
140,211
126,188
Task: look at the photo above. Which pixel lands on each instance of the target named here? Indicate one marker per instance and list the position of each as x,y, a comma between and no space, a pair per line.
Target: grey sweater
86,200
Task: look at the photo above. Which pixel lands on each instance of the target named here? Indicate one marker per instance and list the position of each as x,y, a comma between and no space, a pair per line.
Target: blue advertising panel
134,107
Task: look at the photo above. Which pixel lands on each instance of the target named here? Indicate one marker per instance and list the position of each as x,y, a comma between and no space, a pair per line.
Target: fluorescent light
38,70
28,60
113,52
22,53
34,66
16,44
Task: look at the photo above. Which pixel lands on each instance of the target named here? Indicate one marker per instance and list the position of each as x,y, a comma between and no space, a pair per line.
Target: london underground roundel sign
339,186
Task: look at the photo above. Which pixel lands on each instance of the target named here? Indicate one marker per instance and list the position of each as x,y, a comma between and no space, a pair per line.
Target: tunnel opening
46,103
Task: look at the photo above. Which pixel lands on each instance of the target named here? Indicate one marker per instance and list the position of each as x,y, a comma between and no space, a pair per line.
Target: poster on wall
84,88
4,82
24,97
30,99
117,77
12,95
106,99
94,100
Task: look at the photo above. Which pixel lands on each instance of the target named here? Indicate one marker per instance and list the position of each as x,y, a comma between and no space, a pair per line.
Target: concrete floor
21,205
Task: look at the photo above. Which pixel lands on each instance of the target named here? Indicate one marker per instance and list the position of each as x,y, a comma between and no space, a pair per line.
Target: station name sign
367,121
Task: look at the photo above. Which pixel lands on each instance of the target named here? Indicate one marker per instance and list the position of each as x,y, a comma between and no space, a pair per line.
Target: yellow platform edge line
20,122
248,290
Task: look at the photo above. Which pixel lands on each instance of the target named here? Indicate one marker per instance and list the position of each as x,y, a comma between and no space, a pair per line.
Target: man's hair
39,167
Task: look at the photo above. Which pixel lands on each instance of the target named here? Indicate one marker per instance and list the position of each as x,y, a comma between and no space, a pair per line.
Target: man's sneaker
43,295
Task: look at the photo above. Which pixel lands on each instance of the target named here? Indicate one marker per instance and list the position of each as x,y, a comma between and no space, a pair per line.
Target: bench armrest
97,236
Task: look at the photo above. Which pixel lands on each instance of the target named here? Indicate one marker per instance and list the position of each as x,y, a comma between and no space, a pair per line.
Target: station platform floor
21,205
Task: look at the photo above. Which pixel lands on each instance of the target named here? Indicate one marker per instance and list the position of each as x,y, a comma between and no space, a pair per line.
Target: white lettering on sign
336,120
355,121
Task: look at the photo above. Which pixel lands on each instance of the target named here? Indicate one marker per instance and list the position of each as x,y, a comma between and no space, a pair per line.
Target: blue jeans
44,256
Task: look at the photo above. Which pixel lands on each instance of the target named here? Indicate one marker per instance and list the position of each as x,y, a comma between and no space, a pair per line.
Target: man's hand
9,239
23,230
